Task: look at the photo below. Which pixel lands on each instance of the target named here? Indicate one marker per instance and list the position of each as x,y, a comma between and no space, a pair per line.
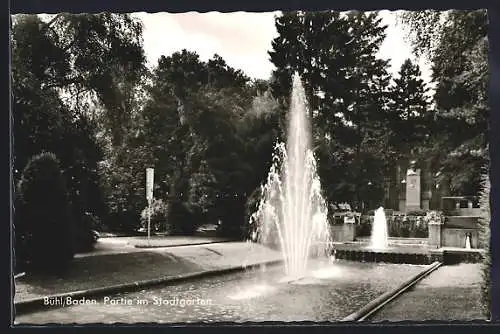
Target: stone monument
413,191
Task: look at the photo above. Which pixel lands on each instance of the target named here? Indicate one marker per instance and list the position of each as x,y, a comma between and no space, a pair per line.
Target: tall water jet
380,236
292,214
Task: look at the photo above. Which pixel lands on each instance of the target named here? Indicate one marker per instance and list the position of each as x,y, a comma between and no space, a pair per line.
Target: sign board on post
150,172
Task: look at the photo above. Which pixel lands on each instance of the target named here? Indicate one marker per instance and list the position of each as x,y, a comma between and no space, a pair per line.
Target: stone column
435,224
349,229
413,190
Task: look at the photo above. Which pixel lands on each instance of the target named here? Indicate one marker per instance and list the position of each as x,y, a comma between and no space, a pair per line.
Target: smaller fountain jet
467,241
379,237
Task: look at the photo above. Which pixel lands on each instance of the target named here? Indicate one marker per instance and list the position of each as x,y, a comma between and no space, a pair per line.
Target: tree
346,86
409,112
44,225
189,128
202,185
84,56
166,133
124,183
457,49
75,75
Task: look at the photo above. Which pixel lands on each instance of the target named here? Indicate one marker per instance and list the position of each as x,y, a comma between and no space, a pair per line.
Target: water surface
327,293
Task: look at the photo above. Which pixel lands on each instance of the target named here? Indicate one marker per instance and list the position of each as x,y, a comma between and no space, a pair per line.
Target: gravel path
449,293
121,245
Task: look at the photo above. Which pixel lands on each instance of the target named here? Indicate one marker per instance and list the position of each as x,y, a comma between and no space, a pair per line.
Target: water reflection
327,293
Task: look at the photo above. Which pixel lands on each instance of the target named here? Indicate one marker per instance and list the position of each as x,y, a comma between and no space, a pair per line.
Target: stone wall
345,232
455,237
336,233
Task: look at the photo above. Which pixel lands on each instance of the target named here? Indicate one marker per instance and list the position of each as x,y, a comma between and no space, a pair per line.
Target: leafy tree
42,122
75,75
44,224
124,183
189,129
202,184
86,55
458,49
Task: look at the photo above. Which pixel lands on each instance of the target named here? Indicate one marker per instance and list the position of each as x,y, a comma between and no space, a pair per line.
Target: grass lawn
104,270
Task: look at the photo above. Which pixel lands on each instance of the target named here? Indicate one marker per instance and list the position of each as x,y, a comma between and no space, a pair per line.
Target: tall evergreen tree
346,85
409,114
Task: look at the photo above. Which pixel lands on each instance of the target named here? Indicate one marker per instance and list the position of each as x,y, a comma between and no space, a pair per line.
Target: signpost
150,172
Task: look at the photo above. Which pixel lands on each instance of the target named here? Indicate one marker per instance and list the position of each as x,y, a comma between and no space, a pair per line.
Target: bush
184,218
44,223
85,239
408,227
417,213
434,217
123,221
232,217
364,228
485,242
397,226
159,217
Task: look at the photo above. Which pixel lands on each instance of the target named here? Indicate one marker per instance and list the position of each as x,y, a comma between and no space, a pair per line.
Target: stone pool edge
34,304
384,299
145,246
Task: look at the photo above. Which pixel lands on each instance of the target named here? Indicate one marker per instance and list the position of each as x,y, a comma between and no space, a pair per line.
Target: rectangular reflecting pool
329,292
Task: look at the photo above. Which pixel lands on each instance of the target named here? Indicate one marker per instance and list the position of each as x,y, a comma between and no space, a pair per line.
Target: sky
243,39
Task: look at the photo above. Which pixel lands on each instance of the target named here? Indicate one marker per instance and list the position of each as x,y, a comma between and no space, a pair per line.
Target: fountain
467,241
292,214
379,237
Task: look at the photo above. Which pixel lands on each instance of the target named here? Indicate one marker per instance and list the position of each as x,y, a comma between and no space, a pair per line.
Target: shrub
434,217
408,227
123,221
44,221
184,218
364,228
85,240
159,217
485,242
20,235
417,213
397,226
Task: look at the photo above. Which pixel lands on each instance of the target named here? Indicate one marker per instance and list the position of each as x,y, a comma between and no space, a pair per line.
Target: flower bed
408,226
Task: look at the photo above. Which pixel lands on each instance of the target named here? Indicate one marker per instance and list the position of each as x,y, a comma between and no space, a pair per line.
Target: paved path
450,293
120,245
